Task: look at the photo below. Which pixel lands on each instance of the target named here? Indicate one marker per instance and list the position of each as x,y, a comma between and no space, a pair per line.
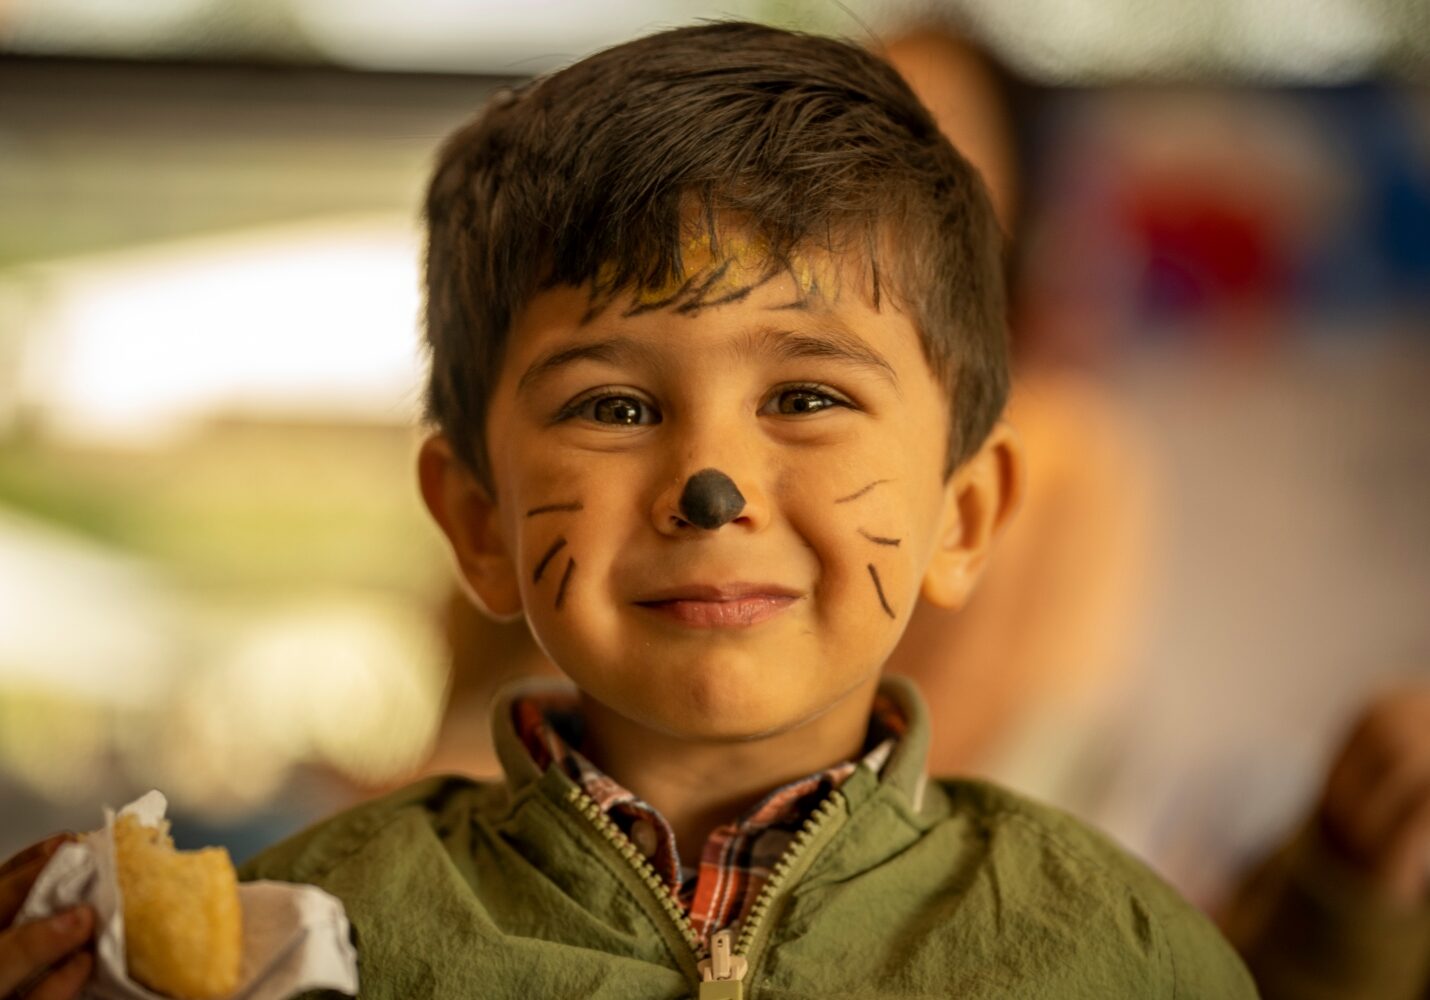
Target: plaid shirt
738,856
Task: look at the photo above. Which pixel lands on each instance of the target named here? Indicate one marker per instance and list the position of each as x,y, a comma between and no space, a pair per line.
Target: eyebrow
827,345
612,351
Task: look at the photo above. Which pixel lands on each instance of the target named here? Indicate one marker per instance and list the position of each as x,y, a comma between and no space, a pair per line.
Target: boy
718,358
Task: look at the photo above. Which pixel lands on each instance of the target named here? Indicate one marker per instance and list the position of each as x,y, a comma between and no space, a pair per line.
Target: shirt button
644,837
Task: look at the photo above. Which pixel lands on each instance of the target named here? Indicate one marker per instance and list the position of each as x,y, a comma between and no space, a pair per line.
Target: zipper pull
722,974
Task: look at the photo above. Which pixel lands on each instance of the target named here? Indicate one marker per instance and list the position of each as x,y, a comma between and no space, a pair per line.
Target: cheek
570,527
847,537
560,573
858,522
547,509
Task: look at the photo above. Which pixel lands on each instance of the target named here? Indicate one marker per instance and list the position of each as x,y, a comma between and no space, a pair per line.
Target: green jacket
897,887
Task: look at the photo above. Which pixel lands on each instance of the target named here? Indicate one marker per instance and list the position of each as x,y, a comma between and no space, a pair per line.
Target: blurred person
1341,910
1046,644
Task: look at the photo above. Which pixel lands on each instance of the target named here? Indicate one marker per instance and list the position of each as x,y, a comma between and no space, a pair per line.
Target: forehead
717,269
734,284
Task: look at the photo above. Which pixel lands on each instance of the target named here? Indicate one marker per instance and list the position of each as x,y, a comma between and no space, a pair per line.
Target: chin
727,698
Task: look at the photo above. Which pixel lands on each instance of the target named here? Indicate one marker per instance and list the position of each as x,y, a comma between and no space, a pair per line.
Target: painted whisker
879,589
880,539
565,579
552,508
859,493
556,547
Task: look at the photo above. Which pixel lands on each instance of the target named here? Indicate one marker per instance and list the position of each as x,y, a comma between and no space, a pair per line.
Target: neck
697,785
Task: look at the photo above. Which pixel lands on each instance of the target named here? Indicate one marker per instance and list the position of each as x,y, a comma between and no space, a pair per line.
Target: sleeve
310,854
1310,928
293,860
1204,966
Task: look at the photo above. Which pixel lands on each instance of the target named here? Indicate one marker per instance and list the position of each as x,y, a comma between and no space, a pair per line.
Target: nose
710,499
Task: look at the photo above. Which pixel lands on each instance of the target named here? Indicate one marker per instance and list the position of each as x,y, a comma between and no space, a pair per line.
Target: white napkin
295,937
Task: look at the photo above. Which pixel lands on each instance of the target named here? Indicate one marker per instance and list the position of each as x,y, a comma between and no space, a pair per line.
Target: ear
468,517
979,500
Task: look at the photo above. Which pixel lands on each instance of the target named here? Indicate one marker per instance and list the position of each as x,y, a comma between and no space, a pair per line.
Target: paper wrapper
295,937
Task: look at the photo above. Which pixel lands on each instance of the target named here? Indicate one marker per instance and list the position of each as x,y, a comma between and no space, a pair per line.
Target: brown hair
584,177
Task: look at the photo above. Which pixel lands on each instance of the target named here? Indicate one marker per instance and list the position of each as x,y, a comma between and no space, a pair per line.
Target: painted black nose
710,499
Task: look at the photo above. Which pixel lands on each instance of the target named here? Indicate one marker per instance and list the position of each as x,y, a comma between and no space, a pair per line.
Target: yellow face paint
716,271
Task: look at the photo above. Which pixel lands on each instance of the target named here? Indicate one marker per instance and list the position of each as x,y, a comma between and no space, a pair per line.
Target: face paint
859,493
554,507
714,272
879,589
879,539
689,297
710,499
556,547
565,579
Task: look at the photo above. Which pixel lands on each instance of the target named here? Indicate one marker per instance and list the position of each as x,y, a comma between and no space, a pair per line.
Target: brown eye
797,402
623,411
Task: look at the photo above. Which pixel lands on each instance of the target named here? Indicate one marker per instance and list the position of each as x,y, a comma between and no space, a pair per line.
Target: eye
613,408
798,400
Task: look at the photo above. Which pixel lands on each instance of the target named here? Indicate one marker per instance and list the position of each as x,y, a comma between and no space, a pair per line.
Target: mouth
737,605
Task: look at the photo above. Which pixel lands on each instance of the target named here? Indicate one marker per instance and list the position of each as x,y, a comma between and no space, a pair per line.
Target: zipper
640,866
792,863
722,975
720,971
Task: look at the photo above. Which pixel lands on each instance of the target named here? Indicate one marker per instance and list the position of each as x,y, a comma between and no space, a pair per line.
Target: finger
1354,803
28,950
1405,868
66,981
1384,807
1351,767
1342,807
15,887
44,848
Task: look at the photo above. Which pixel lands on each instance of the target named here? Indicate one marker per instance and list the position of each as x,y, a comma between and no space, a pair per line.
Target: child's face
735,613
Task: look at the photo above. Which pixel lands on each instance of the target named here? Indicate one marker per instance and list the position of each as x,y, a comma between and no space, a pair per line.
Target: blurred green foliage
244,504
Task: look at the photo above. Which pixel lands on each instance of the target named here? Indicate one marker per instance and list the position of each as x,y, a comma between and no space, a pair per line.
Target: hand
1375,811
41,960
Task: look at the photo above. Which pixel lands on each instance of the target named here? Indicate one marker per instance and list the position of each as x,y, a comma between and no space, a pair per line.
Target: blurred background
215,574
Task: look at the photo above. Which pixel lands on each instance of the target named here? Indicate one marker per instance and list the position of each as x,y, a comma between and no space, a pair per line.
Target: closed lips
731,606
721,592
